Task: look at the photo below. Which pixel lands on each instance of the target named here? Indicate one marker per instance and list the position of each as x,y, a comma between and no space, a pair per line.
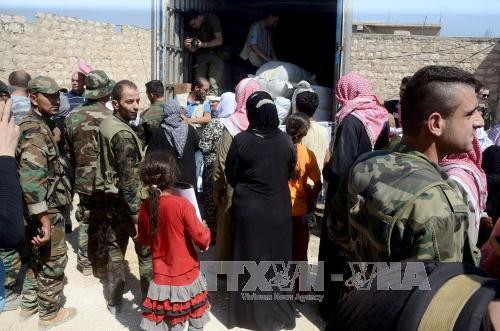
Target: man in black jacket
11,207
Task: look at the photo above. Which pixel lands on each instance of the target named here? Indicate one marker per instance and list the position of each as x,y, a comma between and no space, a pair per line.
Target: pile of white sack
285,80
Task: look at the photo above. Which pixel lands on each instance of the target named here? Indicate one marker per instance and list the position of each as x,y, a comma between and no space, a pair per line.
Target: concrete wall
385,59
52,45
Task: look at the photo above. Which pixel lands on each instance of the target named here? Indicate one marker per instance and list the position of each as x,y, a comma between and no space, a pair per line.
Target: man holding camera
204,43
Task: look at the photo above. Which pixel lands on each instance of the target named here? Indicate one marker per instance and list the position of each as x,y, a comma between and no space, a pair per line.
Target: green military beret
98,85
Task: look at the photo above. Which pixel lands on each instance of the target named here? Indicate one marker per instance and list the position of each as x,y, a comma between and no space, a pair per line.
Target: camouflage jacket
124,152
395,205
151,119
81,143
42,171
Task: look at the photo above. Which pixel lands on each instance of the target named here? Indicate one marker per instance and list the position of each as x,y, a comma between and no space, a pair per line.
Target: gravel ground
86,294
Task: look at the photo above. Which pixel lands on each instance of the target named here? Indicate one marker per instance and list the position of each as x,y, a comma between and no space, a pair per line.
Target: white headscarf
484,141
227,105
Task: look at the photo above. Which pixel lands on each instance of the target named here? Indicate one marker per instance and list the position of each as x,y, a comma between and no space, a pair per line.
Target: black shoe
114,309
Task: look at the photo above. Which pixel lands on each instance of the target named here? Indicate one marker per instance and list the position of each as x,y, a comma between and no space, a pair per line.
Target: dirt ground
86,294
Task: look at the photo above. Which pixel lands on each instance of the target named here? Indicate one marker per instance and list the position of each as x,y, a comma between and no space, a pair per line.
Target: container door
170,62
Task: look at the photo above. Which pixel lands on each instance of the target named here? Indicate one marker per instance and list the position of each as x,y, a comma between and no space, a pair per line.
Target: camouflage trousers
113,240
11,259
85,212
43,284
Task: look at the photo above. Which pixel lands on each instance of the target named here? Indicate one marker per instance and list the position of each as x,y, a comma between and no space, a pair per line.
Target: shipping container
310,34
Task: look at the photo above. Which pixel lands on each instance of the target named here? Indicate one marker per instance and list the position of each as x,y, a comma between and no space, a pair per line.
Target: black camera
195,43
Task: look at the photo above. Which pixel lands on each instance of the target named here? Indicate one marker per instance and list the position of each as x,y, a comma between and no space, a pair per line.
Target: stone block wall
52,45
385,59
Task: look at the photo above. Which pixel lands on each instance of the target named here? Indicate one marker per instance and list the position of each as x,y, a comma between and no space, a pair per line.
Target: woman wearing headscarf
259,164
362,126
178,138
208,144
222,192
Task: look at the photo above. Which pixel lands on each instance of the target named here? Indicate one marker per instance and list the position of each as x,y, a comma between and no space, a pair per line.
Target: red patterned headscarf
238,121
355,95
465,168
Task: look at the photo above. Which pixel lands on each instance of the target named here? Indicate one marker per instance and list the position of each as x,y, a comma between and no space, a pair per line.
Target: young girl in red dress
169,225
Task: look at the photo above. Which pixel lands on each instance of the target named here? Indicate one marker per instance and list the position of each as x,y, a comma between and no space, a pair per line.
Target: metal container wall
171,62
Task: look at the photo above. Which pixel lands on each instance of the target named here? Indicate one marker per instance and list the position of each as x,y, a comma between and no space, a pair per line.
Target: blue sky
465,18
459,18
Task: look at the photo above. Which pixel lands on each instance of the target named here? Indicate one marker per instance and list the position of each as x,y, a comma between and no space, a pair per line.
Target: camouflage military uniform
81,149
46,190
11,259
151,119
397,205
123,150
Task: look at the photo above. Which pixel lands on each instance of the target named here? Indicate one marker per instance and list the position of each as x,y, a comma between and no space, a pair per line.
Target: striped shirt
69,101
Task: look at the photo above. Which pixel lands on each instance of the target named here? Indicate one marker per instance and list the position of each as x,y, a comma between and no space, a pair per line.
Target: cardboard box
182,88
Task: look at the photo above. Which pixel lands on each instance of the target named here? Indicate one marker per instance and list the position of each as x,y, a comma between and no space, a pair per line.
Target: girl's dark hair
158,172
297,125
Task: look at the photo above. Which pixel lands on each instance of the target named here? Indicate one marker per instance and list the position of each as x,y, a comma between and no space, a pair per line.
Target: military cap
98,85
45,85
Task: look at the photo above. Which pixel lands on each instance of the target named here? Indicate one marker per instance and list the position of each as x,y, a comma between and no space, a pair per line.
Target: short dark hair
431,90
191,14
297,125
405,80
198,82
307,102
118,89
155,87
19,78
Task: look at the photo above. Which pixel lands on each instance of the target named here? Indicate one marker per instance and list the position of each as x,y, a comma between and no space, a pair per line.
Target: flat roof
403,25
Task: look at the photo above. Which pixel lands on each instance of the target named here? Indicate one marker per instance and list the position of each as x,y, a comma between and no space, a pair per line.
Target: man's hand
43,236
188,43
9,131
135,221
57,134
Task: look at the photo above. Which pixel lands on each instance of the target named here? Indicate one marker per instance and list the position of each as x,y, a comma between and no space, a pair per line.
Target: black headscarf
262,113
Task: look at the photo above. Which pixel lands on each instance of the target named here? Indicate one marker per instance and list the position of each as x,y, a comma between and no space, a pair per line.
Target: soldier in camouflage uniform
46,191
81,149
398,204
152,117
121,153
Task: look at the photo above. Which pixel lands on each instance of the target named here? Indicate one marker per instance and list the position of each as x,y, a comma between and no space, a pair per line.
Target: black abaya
258,167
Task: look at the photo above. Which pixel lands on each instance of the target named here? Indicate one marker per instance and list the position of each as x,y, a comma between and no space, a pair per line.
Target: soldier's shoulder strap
111,125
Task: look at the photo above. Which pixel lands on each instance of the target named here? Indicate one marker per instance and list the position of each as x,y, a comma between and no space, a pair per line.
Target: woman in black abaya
258,165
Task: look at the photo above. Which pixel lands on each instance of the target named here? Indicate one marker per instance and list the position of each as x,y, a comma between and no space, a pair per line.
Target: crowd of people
411,180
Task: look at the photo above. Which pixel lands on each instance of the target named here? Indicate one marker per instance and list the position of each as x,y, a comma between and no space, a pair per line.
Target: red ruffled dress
178,291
